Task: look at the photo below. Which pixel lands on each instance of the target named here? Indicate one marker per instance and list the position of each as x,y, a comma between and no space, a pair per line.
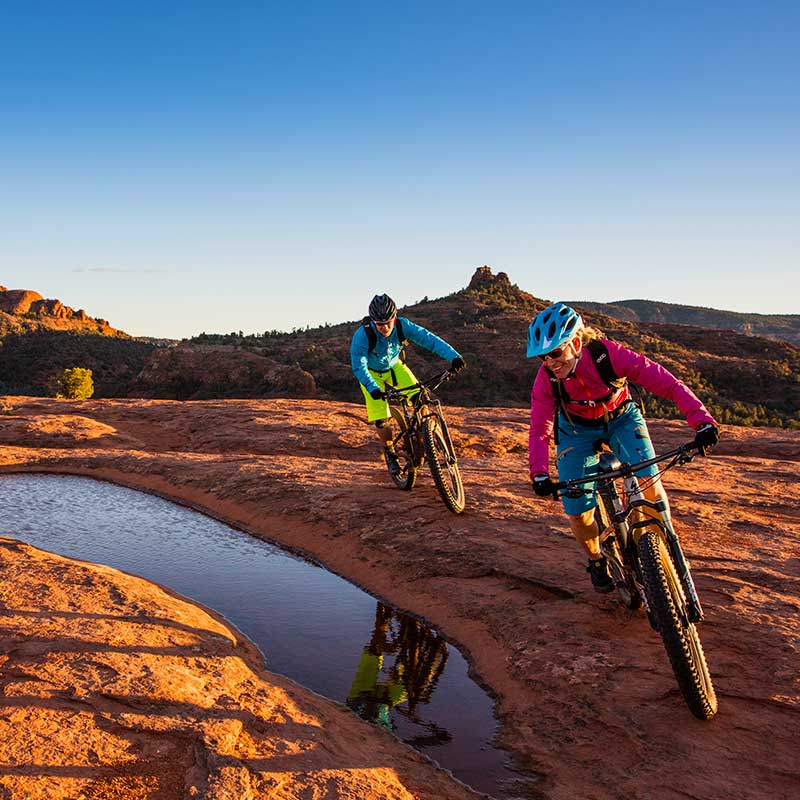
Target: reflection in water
308,622
419,657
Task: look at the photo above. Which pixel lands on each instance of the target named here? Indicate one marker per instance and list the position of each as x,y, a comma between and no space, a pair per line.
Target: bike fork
451,451
694,611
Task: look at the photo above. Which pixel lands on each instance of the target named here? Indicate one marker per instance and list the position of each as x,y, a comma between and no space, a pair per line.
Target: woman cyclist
571,399
377,359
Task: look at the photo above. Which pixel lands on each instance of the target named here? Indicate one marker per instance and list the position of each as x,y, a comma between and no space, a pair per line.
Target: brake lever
687,455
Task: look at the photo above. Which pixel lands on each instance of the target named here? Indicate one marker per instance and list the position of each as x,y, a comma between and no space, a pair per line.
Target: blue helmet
551,328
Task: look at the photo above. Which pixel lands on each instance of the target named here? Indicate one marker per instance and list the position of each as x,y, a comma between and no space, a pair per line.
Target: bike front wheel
668,608
407,477
443,464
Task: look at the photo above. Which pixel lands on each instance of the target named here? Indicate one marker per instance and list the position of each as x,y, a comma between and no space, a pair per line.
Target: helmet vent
552,328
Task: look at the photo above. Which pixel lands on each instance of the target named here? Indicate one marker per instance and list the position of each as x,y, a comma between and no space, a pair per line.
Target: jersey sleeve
541,430
424,338
659,380
359,353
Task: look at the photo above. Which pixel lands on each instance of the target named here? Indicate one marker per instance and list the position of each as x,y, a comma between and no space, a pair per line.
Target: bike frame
423,405
631,517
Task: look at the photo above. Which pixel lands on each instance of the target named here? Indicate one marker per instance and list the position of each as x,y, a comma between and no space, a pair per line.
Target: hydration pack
602,361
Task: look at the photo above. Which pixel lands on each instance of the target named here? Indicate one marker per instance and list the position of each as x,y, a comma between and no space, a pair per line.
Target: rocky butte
32,311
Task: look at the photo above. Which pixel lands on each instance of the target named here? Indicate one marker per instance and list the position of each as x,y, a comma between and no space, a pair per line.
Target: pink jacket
586,384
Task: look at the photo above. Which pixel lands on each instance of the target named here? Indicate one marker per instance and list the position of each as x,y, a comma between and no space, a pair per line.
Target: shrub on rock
75,383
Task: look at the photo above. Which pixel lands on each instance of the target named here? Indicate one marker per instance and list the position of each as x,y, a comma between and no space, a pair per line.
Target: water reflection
309,623
399,669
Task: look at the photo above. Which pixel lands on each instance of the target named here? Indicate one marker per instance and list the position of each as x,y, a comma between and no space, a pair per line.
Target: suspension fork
694,610
451,451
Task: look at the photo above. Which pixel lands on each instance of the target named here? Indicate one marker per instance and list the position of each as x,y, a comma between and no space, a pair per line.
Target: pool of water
310,624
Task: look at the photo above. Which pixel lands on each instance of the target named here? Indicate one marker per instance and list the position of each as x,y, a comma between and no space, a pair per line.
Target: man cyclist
377,358
573,400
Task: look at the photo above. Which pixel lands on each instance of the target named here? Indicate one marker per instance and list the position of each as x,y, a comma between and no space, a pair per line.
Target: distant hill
39,337
743,378
771,326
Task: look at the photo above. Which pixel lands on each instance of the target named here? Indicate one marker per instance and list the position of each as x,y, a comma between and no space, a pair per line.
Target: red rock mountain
743,379
23,310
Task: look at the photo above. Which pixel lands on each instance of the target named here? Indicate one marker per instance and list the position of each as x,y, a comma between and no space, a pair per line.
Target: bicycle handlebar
432,383
682,454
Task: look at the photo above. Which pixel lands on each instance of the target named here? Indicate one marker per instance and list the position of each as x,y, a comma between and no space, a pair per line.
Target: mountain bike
423,435
648,566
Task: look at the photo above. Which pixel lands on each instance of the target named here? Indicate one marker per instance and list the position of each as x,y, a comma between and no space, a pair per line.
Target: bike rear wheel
407,477
443,464
668,609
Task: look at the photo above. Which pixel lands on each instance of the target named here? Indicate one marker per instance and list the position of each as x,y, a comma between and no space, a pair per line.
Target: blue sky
177,167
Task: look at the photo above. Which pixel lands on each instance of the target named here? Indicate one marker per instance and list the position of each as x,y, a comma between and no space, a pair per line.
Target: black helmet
382,308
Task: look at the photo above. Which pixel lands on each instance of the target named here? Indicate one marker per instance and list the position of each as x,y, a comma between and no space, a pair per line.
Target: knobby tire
446,475
668,608
407,476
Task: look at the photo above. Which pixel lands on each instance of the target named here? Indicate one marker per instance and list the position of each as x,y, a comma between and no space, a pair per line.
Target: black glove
457,364
543,486
707,436
377,394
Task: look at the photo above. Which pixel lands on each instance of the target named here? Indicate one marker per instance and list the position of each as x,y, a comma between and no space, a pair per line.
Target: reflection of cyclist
376,355
420,657
370,697
590,405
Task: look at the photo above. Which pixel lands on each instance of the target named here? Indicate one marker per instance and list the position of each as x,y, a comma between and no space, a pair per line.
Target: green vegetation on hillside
743,379
772,326
29,361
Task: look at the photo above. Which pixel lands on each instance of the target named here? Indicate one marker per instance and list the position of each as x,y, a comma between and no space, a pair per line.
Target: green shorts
398,376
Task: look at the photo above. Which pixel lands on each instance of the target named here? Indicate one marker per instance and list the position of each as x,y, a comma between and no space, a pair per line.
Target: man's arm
430,341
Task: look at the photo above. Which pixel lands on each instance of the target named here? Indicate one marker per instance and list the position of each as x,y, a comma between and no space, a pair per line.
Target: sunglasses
383,324
554,354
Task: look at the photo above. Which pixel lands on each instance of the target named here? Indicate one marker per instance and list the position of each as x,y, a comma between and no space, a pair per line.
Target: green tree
75,383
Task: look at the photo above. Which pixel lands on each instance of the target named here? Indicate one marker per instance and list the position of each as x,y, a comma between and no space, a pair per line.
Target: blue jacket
388,349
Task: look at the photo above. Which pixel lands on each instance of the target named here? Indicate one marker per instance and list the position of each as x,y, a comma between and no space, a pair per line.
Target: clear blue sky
185,166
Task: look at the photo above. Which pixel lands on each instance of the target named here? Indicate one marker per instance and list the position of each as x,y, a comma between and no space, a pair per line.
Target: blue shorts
629,440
